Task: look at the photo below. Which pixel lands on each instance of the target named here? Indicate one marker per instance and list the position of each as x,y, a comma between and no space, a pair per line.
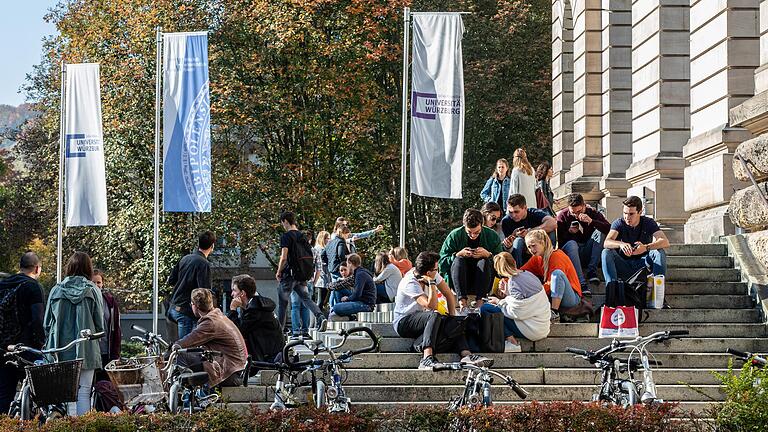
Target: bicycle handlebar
519,391
744,355
373,347
85,335
577,351
139,329
446,367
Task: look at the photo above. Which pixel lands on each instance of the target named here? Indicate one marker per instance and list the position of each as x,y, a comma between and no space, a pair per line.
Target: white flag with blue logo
186,123
437,105
86,197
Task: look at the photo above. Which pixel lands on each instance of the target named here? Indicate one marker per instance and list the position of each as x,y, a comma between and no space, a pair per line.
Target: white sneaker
510,347
477,360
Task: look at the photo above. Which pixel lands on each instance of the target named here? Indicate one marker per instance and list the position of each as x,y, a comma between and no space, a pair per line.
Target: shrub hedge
529,417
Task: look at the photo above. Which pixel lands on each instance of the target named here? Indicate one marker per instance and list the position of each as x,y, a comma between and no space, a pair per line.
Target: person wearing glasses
492,215
466,258
425,310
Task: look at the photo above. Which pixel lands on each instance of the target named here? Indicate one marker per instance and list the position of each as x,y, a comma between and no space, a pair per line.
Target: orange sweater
404,265
557,261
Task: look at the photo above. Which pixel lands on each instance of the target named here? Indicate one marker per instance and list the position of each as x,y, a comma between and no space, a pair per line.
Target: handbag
492,332
618,322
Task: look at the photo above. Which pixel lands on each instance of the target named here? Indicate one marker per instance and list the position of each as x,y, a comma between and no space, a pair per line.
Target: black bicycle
618,384
324,377
477,386
755,359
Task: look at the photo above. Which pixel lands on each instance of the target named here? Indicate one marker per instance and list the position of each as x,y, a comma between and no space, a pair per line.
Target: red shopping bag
618,322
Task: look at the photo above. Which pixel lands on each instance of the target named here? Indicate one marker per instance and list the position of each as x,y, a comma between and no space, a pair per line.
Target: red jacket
557,261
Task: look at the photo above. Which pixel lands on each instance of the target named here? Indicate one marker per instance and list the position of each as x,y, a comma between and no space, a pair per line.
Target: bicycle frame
477,386
189,395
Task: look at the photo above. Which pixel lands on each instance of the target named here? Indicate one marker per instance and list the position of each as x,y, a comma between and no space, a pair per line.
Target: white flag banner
86,197
437,105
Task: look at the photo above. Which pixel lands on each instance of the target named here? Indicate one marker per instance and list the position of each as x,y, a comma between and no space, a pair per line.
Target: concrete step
678,315
697,249
697,274
558,344
696,288
554,376
438,393
696,407
537,360
682,261
590,329
711,301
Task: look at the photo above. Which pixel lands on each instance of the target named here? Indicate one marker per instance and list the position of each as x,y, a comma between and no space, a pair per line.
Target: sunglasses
493,218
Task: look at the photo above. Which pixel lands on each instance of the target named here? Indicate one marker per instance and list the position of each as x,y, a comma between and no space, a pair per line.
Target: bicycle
757,361
627,391
477,386
327,389
187,389
154,344
47,385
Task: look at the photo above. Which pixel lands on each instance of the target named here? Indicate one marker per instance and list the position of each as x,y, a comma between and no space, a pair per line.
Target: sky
22,29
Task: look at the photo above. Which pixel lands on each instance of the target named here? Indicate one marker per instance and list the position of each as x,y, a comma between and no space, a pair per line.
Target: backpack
633,292
10,323
301,259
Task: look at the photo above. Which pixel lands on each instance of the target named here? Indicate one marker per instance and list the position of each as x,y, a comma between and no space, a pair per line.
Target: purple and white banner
437,105
186,123
86,197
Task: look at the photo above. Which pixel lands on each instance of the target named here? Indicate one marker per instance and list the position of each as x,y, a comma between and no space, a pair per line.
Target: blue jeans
351,307
616,266
287,286
186,324
510,328
520,251
588,251
299,312
560,287
337,295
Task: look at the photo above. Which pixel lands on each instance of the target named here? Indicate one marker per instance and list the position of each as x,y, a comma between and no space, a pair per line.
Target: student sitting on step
363,295
418,314
523,301
634,241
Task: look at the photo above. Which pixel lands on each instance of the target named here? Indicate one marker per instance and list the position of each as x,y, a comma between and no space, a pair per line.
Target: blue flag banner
186,123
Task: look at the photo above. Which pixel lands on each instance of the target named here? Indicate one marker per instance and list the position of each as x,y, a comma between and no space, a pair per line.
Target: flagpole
404,137
62,140
156,245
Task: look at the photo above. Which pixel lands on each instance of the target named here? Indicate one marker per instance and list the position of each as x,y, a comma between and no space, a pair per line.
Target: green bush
746,403
131,349
529,417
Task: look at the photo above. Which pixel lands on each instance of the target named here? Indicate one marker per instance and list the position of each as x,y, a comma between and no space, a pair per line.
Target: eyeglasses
493,218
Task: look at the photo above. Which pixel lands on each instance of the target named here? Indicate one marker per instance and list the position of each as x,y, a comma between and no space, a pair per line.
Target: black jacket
260,328
192,271
31,308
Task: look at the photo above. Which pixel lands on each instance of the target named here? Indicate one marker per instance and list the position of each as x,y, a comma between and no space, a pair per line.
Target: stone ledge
718,140
752,114
751,255
755,154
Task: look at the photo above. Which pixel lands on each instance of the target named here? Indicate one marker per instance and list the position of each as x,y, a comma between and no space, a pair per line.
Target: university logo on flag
437,106
186,123
86,186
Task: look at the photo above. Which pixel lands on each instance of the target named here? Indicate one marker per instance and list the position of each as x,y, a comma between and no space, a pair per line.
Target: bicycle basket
54,383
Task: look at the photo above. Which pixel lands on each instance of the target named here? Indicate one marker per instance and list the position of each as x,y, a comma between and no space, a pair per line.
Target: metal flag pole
62,140
404,137
156,245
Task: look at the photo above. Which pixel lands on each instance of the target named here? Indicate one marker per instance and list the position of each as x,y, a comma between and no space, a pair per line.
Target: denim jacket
492,189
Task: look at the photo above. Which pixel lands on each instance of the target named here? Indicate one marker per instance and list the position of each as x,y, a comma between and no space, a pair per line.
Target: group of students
76,303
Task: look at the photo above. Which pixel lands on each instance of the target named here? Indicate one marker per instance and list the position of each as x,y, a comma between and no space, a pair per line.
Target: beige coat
216,332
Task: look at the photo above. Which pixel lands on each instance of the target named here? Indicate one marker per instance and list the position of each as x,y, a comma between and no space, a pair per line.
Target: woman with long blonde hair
323,237
556,270
522,180
521,298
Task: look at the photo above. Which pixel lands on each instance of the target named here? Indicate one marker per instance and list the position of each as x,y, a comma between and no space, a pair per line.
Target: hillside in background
12,117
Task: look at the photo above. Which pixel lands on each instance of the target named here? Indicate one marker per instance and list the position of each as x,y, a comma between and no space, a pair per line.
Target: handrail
751,178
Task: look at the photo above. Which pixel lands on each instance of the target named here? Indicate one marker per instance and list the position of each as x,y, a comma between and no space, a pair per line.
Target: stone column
724,55
587,167
660,109
562,90
616,103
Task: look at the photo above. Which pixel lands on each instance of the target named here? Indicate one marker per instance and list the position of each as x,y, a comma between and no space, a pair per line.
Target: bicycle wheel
26,404
174,398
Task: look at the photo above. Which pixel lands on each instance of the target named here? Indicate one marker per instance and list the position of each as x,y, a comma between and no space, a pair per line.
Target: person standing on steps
288,278
192,271
419,314
634,241
581,231
522,180
496,189
21,296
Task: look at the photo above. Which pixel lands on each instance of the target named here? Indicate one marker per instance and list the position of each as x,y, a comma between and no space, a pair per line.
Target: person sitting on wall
254,316
521,219
634,241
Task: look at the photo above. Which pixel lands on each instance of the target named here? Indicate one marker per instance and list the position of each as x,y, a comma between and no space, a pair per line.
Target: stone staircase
703,289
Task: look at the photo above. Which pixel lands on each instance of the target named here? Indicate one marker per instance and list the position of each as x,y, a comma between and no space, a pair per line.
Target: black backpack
10,323
301,259
632,292
492,332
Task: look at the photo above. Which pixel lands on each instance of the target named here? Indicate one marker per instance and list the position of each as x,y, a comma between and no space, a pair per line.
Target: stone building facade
643,93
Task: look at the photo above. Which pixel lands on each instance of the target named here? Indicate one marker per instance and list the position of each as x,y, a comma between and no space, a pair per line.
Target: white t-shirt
408,291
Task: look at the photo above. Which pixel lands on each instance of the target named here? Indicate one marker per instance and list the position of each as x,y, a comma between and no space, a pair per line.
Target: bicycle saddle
194,378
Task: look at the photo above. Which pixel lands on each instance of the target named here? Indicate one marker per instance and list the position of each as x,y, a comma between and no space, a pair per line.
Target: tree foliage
305,98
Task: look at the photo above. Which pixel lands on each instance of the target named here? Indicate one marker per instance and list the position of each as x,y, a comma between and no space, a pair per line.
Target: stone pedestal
724,54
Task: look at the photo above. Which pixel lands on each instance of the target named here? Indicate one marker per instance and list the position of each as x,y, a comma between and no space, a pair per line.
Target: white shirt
408,291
